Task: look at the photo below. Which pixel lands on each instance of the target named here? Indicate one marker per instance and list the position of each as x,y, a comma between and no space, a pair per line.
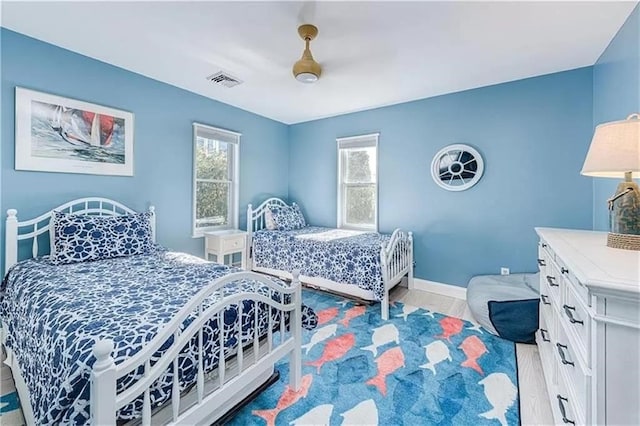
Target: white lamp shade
615,149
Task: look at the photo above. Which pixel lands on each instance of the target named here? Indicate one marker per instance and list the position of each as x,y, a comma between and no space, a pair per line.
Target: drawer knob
563,410
545,299
569,310
543,333
564,270
551,281
544,245
541,262
563,356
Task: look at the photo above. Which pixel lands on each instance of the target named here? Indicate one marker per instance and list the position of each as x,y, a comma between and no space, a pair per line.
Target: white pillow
268,220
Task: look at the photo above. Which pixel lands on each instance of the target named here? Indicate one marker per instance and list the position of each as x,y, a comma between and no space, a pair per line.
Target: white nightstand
221,243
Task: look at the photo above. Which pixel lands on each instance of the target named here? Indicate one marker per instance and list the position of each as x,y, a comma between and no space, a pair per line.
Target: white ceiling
372,53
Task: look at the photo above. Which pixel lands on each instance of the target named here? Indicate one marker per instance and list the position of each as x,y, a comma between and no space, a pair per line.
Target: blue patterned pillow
80,238
288,218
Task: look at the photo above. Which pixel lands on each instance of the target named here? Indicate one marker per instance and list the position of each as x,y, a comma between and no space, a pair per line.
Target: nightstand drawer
233,243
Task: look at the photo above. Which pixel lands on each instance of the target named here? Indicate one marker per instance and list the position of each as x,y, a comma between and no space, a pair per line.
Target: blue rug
417,368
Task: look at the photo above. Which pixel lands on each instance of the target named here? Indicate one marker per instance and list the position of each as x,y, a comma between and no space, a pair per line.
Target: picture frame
64,135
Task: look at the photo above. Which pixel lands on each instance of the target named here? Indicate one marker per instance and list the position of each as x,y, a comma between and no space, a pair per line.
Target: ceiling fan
306,69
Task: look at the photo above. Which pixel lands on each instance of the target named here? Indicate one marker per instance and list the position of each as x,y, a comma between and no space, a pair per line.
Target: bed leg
384,306
295,364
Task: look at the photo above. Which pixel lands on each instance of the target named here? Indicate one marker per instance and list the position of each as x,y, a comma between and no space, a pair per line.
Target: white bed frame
396,260
214,393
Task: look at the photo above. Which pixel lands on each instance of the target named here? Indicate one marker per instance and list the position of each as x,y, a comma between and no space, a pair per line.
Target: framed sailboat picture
56,134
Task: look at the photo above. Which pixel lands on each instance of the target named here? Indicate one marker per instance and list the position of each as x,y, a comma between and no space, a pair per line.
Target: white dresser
589,336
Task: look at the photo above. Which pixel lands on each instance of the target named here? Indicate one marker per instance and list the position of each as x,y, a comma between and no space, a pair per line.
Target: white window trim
235,187
368,140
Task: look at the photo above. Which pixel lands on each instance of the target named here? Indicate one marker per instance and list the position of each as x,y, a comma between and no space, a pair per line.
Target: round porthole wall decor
457,167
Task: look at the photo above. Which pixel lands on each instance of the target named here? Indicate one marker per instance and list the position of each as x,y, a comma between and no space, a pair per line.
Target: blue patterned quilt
54,313
344,256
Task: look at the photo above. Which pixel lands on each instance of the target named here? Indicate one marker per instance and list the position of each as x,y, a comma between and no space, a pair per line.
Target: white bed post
103,385
384,303
249,260
11,240
410,282
295,366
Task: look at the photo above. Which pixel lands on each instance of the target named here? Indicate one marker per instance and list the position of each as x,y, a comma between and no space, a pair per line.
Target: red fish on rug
352,313
327,315
450,327
473,348
334,349
387,363
287,399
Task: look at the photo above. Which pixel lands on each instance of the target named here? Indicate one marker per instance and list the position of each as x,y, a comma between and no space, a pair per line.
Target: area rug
417,368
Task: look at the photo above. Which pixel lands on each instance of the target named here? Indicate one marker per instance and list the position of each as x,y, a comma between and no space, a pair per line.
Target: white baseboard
440,288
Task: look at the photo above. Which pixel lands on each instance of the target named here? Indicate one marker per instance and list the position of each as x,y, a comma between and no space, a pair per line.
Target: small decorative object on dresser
589,336
228,241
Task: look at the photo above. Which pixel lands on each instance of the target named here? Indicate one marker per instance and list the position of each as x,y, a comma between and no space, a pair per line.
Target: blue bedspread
55,313
344,256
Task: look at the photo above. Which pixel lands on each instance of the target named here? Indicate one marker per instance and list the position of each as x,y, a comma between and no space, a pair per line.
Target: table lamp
615,153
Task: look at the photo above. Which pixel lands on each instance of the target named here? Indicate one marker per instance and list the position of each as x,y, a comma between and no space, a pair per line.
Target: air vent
224,79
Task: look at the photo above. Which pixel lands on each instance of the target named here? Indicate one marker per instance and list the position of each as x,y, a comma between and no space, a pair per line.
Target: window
358,182
215,179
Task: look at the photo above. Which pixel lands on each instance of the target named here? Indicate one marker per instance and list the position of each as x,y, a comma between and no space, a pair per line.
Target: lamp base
623,241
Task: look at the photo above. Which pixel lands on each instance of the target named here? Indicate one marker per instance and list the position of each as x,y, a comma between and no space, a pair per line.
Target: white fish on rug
320,415
436,352
475,327
406,311
381,336
501,394
365,413
321,335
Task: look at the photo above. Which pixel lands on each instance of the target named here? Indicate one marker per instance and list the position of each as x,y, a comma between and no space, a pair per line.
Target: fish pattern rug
417,368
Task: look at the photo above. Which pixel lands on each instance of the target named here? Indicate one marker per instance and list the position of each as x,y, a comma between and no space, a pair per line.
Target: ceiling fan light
306,77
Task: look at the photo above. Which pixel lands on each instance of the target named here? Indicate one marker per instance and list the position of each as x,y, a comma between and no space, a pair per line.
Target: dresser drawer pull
545,299
564,270
563,357
551,281
568,310
541,262
542,334
544,245
563,410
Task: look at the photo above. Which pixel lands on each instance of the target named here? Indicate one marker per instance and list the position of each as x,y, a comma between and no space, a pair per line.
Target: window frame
234,207
370,140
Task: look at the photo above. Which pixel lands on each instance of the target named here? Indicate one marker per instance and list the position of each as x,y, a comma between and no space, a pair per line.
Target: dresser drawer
565,404
545,339
568,358
575,318
554,284
233,243
567,274
546,298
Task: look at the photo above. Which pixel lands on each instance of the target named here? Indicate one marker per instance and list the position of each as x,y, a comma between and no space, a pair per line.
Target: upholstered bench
506,305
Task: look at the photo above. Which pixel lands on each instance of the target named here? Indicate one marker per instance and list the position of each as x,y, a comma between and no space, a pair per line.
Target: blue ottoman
506,305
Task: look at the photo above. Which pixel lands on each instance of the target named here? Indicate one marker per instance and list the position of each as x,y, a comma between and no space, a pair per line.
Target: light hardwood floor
534,402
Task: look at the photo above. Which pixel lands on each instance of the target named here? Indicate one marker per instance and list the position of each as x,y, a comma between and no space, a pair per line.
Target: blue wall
163,140
533,135
616,94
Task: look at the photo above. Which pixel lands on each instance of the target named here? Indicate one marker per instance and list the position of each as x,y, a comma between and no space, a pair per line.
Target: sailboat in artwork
83,128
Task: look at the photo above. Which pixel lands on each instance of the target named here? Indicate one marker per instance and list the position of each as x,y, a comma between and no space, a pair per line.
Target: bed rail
396,261
31,229
105,401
